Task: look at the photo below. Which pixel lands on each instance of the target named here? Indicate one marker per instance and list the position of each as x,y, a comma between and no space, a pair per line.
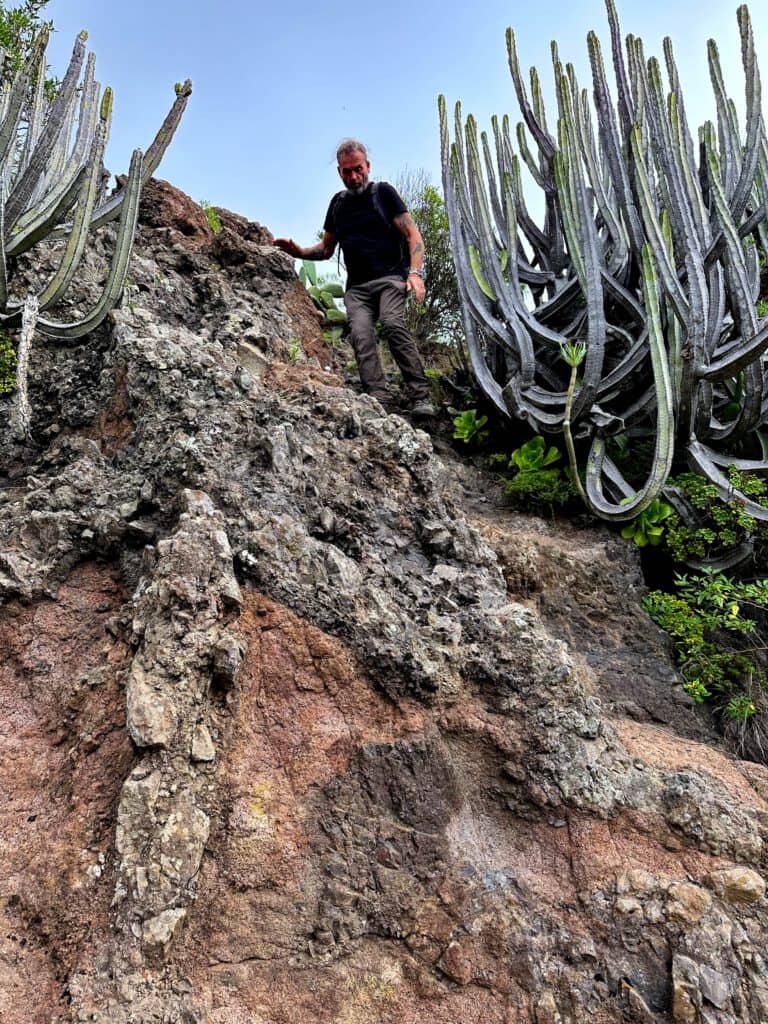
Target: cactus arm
110,209
725,134
625,105
78,237
544,140
609,214
525,153
743,306
664,447
22,411
3,271
751,151
39,220
654,231
612,145
490,258
493,192
736,357
119,266
35,116
18,91
25,185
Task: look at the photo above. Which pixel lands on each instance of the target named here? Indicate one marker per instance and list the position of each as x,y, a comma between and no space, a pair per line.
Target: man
369,221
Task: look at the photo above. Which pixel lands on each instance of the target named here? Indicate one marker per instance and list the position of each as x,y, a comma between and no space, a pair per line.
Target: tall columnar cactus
51,167
649,254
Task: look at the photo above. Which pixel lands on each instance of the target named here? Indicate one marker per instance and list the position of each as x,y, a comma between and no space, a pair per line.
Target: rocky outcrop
303,729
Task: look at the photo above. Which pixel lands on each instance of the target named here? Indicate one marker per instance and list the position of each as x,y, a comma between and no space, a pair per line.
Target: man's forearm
316,252
416,250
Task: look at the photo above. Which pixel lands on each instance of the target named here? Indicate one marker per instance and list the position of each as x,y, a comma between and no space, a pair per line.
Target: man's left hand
416,285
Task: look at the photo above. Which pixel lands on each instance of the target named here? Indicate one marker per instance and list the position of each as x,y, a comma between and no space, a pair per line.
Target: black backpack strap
378,205
336,201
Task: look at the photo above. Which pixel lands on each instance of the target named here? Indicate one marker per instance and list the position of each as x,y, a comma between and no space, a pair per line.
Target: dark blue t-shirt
371,247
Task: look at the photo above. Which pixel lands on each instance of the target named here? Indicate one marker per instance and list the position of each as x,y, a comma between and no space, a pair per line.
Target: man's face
354,169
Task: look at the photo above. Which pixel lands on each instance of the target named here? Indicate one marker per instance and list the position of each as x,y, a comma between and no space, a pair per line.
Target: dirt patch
64,753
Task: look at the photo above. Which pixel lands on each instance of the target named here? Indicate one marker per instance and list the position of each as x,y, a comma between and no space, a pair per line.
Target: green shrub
7,365
648,528
214,222
716,527
535,483
469,427
715,626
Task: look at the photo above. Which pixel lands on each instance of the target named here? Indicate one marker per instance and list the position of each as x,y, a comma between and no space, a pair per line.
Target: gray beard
359,190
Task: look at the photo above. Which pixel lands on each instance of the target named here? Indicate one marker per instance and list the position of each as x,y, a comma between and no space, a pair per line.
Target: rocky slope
301,725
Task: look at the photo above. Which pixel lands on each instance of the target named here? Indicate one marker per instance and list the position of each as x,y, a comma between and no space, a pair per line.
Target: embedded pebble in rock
304,725
738,885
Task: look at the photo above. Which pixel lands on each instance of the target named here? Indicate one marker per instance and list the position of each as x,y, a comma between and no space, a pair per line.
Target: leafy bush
7,365
214,221
437,321
715,623
712,528
535,482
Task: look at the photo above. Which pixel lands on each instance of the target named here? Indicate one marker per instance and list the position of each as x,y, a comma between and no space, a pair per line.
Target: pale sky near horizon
276,86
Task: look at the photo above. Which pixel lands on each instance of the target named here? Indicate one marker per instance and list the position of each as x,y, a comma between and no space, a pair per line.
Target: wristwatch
419,272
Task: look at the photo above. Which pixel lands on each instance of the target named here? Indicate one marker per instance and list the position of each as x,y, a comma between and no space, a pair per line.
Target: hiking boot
388,401
423,408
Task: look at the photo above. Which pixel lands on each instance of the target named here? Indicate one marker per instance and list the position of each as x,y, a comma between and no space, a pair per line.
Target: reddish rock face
64,753
400,756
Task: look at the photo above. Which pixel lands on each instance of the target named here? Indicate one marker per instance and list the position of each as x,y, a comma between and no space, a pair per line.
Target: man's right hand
290,247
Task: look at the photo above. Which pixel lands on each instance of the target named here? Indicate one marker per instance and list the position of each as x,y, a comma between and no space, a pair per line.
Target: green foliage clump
648,528
323,293
295,352
469,427
19,27
716,527
214,221
713,622
7,365
535,482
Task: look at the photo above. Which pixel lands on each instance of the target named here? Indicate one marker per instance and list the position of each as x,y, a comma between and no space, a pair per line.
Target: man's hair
347,146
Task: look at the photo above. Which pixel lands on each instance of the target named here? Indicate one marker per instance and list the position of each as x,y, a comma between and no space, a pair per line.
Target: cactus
50,188
648,256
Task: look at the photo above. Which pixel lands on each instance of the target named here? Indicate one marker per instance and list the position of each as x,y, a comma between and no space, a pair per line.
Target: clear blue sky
277,84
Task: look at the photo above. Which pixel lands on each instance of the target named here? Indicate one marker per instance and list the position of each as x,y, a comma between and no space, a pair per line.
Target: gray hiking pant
384,300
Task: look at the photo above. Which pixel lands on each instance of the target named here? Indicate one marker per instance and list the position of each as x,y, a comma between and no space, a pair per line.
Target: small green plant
333,336
648,528
740,709
762,308
7,365
294,352
469,427
713,527
535,482
214,222
713,622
